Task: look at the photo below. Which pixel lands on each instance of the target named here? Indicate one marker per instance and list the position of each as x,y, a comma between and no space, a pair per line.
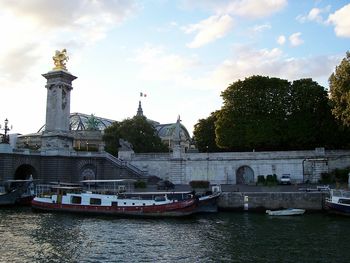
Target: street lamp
5,137
207,163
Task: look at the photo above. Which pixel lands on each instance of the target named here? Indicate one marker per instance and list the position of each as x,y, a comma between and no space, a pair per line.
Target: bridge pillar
56,135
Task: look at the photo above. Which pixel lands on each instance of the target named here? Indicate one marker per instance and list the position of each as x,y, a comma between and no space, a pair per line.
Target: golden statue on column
60,58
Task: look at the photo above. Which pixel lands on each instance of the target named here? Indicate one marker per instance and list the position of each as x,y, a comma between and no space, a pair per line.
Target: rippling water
224,237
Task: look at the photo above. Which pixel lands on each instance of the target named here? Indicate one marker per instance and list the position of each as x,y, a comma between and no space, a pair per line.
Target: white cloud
281,40
315,14
248,61
295,39
39,27
158,65
244,8
261,28
253,8
209,30
341,20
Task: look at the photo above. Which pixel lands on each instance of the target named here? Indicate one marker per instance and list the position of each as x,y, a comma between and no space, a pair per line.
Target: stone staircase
177,171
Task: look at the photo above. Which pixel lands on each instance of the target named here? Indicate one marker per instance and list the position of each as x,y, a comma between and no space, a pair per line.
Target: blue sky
182,54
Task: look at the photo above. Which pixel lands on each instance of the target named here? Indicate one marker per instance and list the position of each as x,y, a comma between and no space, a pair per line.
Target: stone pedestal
5,148
57,135
57,140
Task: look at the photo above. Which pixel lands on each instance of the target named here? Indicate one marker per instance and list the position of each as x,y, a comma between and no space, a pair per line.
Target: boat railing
45,190
340,193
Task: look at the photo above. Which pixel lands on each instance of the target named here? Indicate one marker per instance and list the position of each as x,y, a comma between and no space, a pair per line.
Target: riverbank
261,201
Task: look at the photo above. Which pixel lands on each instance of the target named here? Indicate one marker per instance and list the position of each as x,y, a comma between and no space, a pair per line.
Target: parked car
165,185
285,179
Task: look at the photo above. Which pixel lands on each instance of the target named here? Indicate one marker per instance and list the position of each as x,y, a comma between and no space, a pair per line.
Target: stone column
56,135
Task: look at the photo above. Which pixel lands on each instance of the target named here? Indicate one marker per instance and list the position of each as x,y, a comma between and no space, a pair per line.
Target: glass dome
82,122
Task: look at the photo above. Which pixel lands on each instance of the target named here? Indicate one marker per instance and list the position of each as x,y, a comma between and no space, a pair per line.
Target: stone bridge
64,167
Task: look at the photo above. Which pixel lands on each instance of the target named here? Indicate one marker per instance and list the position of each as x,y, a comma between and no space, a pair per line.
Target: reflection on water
223,237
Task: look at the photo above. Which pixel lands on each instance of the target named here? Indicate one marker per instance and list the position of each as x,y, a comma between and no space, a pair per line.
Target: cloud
281,40
209,30
315,14
254,9
159,65
341,20
244,8
39,27
249,61
295,39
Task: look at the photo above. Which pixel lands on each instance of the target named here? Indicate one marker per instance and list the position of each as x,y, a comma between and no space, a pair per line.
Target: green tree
339,84
309,119
111,138
137,131
204,134
265,113
253,114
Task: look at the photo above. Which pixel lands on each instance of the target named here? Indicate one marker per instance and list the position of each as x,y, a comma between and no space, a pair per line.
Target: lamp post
207,163
6,137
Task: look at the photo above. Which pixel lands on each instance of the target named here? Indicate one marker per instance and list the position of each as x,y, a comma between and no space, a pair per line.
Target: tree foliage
111,138
253,114
339,84
265,113
204,134
137,131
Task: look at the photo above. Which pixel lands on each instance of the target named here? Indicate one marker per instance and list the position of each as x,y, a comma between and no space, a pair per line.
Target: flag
143,94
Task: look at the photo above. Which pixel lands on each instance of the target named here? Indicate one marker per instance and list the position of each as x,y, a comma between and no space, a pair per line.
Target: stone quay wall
260,201
225,168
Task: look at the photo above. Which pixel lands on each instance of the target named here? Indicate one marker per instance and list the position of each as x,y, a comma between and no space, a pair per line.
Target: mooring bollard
246,206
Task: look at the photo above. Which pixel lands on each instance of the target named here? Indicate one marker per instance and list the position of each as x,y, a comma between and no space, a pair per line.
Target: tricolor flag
143,94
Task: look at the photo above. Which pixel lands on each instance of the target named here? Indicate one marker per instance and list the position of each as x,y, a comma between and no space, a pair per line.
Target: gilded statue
60,58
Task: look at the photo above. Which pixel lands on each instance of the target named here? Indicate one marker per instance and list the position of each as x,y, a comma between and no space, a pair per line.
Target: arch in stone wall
244,175
25,171
88,172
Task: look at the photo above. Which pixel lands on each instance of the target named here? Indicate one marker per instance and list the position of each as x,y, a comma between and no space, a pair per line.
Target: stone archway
88,172
245,175
24,172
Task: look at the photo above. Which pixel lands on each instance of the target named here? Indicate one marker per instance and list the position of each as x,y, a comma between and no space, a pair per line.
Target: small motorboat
208,202
286,212
17,192
338,202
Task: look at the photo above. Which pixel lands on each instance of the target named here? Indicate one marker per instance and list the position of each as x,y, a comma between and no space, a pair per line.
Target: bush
341,175
140,184
199,184
326,178
337,175
261,179
271,180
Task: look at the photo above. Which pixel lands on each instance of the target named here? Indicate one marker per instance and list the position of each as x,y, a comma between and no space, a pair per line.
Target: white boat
143,204
286,212
338,202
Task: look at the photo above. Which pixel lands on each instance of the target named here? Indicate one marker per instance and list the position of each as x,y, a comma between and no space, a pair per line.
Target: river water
223,237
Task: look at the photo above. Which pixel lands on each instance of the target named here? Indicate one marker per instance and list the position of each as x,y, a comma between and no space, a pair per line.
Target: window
76,199
95,201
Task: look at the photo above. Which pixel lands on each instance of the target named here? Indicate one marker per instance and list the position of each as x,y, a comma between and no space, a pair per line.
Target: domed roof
167,130
80,122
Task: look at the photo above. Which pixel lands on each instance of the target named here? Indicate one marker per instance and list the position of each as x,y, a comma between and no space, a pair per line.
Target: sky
181,53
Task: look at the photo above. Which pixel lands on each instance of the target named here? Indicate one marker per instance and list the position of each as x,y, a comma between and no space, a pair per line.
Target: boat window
159,198
114,203
95,201
144,204
344,201
76,199
133,203
124,203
